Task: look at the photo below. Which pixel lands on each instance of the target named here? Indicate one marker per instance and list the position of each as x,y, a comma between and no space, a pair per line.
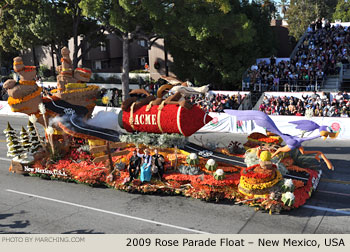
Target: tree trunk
125,74
166,60
53,69
76,22
35,60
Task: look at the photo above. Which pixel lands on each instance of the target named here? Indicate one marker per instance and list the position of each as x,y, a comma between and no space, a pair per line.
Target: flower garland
246,185
29,83
83,70
15,63
13,101
89,88
249,172
75,85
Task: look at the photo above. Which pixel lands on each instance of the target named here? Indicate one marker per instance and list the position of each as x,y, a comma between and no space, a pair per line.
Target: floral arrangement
196,177
258,137
288,198
288,185
75,85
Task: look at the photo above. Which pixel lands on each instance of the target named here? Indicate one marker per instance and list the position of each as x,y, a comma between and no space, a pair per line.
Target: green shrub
139,71
44,71
113,80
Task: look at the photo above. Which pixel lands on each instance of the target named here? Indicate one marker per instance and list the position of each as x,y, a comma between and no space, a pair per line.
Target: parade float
78,148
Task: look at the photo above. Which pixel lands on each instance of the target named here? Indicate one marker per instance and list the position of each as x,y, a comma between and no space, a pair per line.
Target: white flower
42,108
309,113
211,162
50,130
32,118
109,94
289,195
288,183
219,172
193,156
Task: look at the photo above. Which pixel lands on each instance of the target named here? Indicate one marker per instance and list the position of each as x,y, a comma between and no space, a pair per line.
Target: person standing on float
146,172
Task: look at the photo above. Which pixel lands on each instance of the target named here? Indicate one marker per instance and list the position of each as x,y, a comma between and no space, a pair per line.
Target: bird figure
292,142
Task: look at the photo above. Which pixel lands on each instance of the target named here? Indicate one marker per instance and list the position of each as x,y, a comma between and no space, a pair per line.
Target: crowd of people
319,105
217,102
322,53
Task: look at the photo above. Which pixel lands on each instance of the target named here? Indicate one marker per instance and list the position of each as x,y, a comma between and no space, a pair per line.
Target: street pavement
37,206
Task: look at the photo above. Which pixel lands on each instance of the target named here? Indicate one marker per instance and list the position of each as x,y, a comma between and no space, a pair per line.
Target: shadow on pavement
14,225
82,231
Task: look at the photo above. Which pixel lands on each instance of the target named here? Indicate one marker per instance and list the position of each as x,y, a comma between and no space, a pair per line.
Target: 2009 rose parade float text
231,242
153,157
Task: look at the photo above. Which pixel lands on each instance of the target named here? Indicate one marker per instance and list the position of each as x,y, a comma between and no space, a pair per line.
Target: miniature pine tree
9,131
14,148
33,138
24,138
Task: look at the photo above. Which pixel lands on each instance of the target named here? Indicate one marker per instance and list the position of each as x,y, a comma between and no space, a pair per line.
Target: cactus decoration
211,165
287,186
219,174
192,159
288,198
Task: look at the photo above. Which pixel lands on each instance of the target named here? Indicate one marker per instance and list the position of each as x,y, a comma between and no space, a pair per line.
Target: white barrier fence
229,124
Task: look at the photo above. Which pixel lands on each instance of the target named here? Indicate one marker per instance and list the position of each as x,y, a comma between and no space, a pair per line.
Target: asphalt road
37,206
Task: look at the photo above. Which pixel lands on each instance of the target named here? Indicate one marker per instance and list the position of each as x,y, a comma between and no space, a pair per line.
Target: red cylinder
170,119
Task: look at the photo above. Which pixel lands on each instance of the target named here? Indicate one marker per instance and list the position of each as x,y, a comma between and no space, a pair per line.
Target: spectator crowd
320,105
321,53
217,102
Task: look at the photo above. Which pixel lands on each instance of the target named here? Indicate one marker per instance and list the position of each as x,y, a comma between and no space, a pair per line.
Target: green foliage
113,80
189,170
342,11
139,71
156,140
97,79
210,45
300,14
26,24
44,71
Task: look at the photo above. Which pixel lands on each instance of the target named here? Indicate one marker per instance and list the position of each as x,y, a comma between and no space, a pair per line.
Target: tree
33,137
125,18
342,11
212,44
14,148
51,23
301,13
24,139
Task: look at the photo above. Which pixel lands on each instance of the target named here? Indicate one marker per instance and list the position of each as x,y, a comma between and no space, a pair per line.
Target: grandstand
320,62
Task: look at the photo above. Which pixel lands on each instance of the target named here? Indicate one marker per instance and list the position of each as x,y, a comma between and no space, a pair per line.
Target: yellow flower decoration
105,100
243,183
265,156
